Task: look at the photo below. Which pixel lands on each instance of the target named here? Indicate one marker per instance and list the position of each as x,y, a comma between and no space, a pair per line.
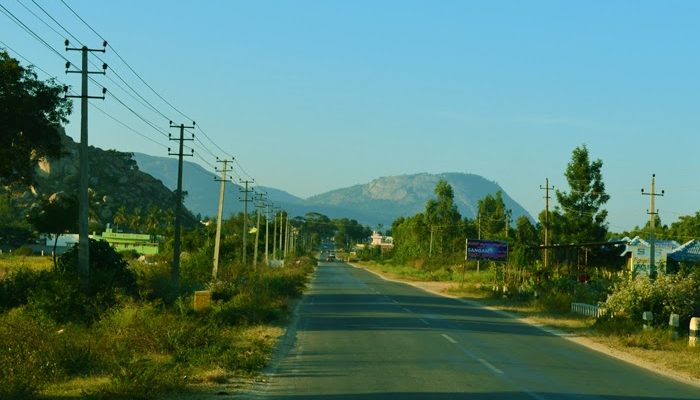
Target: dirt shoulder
659,361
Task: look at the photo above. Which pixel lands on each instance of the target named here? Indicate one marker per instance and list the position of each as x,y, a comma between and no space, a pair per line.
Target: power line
22,25
57,23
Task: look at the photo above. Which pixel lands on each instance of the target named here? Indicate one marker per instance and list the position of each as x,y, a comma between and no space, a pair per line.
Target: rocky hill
115,181
378,202
387,198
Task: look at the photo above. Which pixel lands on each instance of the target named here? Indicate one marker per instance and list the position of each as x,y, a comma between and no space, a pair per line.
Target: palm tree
153,220
135,220
119,217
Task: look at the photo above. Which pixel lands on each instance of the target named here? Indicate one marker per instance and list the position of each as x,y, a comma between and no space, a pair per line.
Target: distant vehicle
330,258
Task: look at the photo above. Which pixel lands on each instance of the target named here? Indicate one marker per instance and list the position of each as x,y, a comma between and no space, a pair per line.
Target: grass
656,348
144,349
10,263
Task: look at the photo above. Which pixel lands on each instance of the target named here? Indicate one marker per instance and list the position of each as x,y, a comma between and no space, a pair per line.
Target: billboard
486,250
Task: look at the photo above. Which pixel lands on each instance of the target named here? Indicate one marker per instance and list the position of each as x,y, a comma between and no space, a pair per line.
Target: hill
378,202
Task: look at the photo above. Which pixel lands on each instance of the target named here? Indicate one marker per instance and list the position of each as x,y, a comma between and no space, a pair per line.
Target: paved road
360,337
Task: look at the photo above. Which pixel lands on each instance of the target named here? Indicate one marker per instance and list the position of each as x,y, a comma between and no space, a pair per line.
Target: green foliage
678,293
16,288
23,251
143,379
65,298
31,115
27,355
579,217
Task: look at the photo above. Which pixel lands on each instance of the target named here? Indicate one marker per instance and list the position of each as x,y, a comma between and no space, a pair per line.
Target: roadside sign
486,250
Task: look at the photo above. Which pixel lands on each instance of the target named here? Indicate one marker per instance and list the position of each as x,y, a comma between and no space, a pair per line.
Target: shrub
143,378
679,293
64,297
16,288
23,251
27,357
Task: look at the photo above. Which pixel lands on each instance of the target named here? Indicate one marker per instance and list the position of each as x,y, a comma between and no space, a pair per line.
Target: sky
311,96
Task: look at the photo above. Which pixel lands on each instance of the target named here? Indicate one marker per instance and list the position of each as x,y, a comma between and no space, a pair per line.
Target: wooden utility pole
268,205
653,212
217,240
245,201
175,272
83,231
546,189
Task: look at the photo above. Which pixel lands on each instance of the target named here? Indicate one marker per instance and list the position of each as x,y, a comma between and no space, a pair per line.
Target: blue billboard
486,250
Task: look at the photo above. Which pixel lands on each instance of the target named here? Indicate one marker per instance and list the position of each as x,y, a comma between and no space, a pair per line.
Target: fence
587,310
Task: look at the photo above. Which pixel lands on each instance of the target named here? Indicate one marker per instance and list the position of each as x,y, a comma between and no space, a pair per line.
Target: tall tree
580,216
492,216
31,113
120,217
443,218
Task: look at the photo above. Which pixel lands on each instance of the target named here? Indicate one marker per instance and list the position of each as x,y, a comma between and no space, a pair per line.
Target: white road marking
424,321
449,339
489,365
406,309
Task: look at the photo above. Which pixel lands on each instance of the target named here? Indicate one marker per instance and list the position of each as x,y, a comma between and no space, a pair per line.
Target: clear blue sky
312,96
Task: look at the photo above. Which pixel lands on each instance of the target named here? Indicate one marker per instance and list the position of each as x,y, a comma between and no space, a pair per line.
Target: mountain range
380,201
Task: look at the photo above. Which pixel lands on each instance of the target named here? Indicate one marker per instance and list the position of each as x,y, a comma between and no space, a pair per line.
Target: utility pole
267,232
286,237
220,213
259,203
274,236
478,236
281,232
430,247
245,201
83,232
652,225
546,189
175,273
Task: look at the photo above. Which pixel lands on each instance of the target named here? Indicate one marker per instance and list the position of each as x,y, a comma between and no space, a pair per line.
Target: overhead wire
143,101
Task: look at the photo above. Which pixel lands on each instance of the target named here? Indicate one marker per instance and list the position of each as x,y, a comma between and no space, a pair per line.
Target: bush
143,378
23,251
16,288
679,293
28,359
64,297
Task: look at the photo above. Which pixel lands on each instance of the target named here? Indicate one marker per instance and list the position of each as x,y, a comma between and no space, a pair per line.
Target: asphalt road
361,337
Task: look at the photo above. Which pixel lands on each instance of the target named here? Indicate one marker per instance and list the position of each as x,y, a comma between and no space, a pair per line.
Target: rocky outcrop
115,181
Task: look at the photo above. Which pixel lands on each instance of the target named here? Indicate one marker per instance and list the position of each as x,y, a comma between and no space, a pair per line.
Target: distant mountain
201,188
387,198
378,202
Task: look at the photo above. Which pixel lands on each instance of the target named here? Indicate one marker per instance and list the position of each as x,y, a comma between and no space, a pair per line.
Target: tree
443,217
56,214
492,216
135,219
31,113
153,220
579,217
120,217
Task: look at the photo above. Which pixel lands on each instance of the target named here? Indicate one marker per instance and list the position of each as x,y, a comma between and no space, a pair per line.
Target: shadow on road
356,312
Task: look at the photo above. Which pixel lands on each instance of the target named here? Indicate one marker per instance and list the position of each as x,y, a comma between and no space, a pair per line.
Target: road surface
361,337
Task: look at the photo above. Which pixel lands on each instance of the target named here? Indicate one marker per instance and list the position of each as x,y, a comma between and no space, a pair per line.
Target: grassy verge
140,346
657,348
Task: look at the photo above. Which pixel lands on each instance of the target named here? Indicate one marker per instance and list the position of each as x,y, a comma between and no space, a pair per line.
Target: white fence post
694,332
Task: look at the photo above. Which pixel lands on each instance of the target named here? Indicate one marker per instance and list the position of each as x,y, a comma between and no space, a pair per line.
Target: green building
139,242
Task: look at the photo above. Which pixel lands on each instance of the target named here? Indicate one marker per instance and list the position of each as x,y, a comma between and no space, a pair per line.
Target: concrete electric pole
83,232
653,212
175,272
245,201
546,189
217,240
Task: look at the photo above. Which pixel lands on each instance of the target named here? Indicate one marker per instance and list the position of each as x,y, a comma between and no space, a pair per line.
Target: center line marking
424,321
489,365
406,309
449,339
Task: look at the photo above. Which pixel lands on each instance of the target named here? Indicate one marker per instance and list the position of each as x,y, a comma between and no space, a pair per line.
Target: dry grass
10,263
